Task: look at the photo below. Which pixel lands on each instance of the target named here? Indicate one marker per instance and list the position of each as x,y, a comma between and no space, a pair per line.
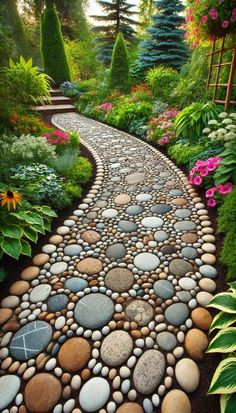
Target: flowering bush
223,130
208,18
69,89
62,139
106,106
161,128
203,169
141,92
28,124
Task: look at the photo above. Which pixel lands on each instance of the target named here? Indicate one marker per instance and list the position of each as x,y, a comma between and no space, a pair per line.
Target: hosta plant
227,168
191,121
21,225
224,342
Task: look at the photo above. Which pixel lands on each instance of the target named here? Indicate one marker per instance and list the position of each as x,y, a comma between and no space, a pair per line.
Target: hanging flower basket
210,19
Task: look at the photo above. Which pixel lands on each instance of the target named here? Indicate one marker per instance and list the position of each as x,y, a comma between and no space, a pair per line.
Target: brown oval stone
5,314
130,408
19,288
179,201
176,401
91,237
29,273
201,318
119,279
40,259
122,199
89,266
85,374
189,238
42,393
55,239
196,343
74,354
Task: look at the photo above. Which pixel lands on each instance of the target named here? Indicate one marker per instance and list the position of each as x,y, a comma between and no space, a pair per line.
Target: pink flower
203,172
225,24
234,12
211,202
226,188
197,180
210,192
214,14
204,19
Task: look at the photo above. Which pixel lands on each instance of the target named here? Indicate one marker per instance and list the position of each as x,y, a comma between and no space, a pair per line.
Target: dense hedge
119,76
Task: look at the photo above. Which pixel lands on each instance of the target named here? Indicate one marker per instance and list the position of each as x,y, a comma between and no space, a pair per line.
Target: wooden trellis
214,82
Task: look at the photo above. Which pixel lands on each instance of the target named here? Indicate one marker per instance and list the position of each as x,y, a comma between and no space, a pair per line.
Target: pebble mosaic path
110,316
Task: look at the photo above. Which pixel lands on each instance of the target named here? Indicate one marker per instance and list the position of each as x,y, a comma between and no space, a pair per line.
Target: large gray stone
116,348
9,387
177,314
30,340
94,311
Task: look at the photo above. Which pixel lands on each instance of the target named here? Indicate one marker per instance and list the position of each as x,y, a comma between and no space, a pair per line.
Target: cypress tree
117,18
164,44
119,75
52,46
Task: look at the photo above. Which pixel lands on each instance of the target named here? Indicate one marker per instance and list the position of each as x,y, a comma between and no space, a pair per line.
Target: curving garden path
110,317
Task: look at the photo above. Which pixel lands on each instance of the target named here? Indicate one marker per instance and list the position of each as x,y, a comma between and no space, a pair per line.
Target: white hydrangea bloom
213,122
233,115
230,136
227,121
231,127
212,135
206,130
221,131
223,115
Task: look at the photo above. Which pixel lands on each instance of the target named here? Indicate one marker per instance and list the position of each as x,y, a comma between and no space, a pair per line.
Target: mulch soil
201,403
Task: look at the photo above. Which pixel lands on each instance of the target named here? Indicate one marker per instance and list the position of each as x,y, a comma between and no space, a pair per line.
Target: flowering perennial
57,137
223,130
161,128
106,106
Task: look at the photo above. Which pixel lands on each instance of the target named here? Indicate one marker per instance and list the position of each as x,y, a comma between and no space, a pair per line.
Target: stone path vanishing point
112,310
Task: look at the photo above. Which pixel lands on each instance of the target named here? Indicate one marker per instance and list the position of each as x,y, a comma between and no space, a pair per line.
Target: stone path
110,316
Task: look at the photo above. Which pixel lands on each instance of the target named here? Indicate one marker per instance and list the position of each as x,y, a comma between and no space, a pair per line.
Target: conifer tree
52,46
117,18
164,44
119,75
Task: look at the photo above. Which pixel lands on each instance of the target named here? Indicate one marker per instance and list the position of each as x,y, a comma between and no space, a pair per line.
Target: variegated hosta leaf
228,403
224,302
222,320
233,286
224,379
224,341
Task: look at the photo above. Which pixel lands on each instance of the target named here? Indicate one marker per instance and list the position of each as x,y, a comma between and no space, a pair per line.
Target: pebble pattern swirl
110,317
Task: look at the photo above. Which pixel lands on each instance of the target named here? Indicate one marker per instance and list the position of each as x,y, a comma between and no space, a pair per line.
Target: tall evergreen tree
52,45
164,44
119,75
117,18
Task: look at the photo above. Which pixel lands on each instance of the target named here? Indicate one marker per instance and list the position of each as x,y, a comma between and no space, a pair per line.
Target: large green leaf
34,218
26,248
224,302
31,234
228,403
224,341
224,379
47,211
39,228
232,286
11,247
222,320
12,231
21,215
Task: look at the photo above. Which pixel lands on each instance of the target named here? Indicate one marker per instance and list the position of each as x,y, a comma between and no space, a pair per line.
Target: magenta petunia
197,180
211,202
210,192
225,24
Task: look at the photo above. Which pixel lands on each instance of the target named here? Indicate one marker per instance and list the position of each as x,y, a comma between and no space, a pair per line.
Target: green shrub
227,225
74,191
26,84
226,172
52,47
127,112
192,85
87,85
162,80
81,171
191,121
182,154
119,76
27,149
65,162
